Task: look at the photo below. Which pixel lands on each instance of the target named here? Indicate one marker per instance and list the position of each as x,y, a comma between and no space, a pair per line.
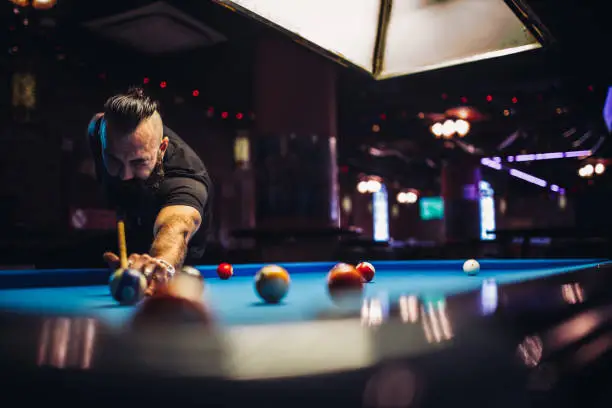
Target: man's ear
164,144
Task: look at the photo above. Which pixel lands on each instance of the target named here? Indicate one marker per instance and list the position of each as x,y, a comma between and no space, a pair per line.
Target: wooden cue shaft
122,246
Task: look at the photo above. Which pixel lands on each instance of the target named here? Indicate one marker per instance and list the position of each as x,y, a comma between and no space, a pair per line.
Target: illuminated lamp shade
600,168
411,197
401,197
462,127
562,201
437,129
21,3
43,4
463,113
371,185
407,197
374,186
347,204
448,128
241,150
466,113
23,87
362,187
503,205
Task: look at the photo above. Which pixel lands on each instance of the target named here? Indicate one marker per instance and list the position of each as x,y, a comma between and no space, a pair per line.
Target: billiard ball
179,303
225,271
366,270
127,286
196,277
471,267
272,283
345,284
191,271
163,310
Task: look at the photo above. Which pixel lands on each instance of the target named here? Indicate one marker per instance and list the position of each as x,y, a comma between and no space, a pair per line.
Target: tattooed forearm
171,239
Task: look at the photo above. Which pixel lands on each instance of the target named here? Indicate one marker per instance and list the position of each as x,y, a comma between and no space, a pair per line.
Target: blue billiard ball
127,286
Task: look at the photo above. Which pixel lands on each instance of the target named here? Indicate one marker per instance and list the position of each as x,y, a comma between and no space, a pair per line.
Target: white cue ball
471,267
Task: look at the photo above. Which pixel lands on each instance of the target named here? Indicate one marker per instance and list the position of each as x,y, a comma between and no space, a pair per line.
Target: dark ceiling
558,76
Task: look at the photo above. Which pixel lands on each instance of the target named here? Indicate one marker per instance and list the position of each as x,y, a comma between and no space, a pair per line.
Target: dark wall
40,164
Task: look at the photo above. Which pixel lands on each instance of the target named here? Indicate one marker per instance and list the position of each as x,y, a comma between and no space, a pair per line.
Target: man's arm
179,219
174,227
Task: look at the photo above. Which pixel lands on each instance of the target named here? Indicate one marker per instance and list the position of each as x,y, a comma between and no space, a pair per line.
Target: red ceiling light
145,80
489,98
514,99
464,99
224,115
195,92
163,84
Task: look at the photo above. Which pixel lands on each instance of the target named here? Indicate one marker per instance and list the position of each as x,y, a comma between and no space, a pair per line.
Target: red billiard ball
162,310
366,270
272,283
345,284
225,271
177,304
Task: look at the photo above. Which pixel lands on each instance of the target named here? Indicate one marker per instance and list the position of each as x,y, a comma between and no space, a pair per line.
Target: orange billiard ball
366,270
272,283
225,271
345,284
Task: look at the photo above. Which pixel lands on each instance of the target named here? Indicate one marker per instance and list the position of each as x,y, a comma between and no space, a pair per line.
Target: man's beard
138,189
157,176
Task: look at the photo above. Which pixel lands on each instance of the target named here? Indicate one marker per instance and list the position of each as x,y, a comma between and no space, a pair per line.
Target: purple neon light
540,156
522,175
579,153
490,163
545,156
528,177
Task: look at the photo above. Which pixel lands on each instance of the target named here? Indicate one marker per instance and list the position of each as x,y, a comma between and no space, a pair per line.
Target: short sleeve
184,191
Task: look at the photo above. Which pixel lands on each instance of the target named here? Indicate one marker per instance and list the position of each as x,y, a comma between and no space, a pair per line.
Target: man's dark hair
127,110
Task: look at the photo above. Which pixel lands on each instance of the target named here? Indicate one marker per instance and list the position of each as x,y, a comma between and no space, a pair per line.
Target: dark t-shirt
185,182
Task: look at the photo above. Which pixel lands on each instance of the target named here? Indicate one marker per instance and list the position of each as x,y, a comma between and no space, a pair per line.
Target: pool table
234,302
426,334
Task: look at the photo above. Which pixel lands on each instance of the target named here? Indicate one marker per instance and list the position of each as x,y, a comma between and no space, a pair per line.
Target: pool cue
122,246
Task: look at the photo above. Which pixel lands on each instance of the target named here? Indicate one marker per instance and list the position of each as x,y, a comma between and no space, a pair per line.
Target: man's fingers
149,268
136,261
111,259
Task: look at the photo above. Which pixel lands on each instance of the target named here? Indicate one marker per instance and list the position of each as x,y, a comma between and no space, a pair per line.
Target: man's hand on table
153,269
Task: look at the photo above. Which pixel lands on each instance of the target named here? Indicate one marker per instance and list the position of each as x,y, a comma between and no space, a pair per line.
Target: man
157,183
